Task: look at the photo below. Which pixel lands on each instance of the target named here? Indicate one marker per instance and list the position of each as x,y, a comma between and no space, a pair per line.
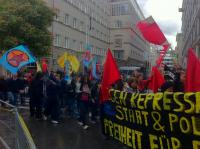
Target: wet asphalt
68,135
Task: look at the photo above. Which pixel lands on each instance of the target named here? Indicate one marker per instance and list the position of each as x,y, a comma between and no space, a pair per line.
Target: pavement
67,135
7,129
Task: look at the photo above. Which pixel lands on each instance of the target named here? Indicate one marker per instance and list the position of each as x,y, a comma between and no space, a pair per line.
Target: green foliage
26,22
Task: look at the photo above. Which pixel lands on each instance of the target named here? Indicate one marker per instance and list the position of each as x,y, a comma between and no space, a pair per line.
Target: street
67,135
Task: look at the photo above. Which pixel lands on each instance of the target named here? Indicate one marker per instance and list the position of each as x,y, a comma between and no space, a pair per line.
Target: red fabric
44,66
142,84
156,80
151,31
192,83
110,75
162,54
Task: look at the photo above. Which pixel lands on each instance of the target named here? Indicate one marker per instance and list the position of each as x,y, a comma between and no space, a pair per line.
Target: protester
36,96
94,102
167,87
84,102
13,93
179,81
53,92
22,85
77,96
63,93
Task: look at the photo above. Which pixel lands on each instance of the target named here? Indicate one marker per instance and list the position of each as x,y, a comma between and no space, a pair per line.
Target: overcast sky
165,13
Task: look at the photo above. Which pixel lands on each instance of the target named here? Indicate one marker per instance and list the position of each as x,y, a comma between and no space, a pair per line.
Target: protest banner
154,120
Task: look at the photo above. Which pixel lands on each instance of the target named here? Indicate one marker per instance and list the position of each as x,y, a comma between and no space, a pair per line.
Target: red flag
151,31
44,65
110,75
156,80
192,83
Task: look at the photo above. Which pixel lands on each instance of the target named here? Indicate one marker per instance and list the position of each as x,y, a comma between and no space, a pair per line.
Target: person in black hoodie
53,92
71,97
22,85
13,89
36,96
84,102
179,81
94,102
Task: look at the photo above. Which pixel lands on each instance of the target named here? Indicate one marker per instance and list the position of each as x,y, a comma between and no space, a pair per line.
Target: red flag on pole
111,74
153,34
151,31
44,65
156,80
192,83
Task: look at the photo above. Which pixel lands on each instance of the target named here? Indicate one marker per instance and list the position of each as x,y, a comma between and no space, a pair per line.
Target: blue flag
94,68
67,70
16,58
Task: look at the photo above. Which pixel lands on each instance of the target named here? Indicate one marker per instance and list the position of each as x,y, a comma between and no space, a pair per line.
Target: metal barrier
23,139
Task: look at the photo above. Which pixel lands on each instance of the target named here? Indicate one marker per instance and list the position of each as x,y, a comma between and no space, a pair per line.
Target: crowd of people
52,95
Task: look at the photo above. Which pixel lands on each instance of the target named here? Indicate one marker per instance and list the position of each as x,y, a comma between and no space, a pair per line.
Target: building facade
77,23
190,28
101,24
129,48
179,49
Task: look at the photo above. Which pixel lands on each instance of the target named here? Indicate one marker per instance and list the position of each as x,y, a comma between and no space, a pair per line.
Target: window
124,9
118,54
57,40
120,9
66,19
118,43
118,24
97,34
81,26
56,17
74,45
74,22
81,46
66,42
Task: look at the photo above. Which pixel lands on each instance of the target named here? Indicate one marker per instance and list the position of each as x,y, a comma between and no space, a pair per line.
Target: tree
26,22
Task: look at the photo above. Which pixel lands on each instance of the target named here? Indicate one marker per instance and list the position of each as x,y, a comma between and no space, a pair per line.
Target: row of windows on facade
189,15
118,54
120,9
81,27
137,54
92,10
85,4
75,45
194,32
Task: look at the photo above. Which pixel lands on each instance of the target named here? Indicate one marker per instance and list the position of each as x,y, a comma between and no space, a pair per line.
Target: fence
23,139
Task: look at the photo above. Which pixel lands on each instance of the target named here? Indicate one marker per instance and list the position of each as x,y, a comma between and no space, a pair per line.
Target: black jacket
36,89
3,85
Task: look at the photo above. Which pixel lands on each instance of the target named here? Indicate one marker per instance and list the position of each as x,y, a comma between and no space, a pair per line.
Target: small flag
94,68
67,71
